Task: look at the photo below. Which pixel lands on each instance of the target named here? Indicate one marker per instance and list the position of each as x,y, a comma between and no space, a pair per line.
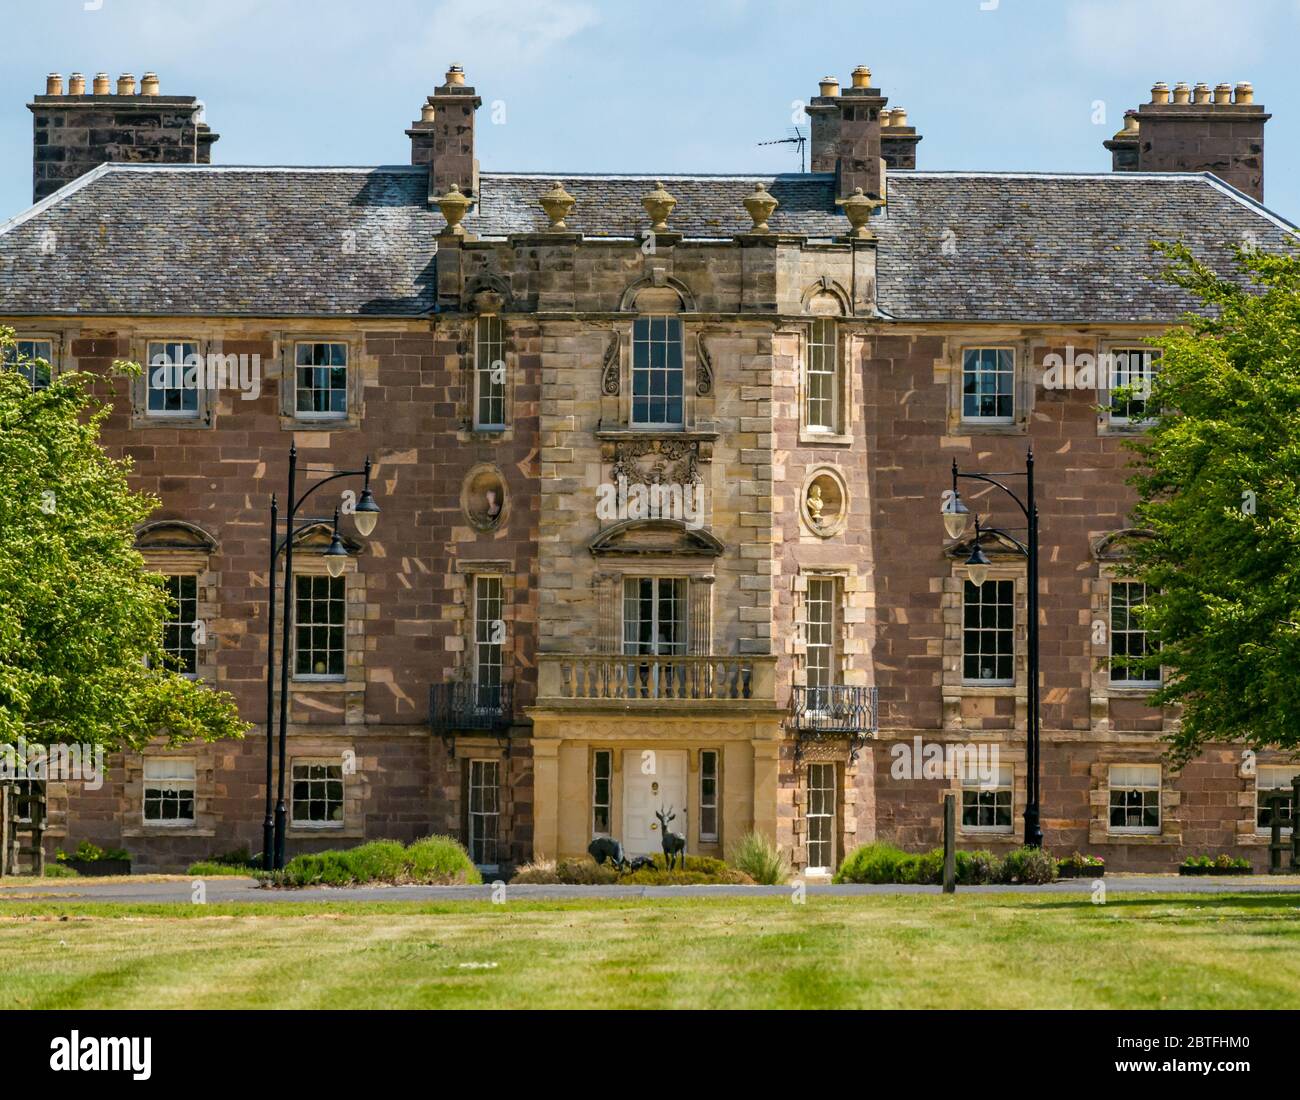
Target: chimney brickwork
854,136
74,133
444,136
1219,130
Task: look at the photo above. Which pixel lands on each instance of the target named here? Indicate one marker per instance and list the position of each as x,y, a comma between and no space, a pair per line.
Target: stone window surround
209,343
1099,830
847,341
461,610
285,357
1101,689
306,749
954,686
57,341
1248,832
1021,348
852,602
355,611
205,818
692,400
466,352
198,563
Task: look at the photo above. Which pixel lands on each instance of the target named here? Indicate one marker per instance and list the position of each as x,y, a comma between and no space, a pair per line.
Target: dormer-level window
489,375
657,372
988,385
822,382
173,377
321,380
32,359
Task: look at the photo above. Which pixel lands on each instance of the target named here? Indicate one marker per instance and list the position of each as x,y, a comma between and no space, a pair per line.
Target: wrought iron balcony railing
461,707
834,709
643,679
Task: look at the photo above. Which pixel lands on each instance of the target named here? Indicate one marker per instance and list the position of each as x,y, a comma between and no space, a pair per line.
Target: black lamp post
955,516
366,515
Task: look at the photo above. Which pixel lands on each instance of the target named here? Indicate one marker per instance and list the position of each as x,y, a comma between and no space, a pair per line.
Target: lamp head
366,514
955,515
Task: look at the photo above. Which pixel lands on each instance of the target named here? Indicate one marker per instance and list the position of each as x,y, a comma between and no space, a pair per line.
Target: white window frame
151,365
182,776
1276,771
1010,372
984,631
822,353
596,802
715,803
648,341
489,343
489,637
816,809
1127,631
1129,776
322,677
491,842
821,595
1115,378
328,414
1003,783
180,624
15,355
315,762
680,600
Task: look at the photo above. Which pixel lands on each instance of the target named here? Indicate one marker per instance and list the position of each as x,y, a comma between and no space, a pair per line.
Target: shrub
1077,865
756,856
540,872
1030,866
240,857
693,871
978,868
435,860
58,870
871,863
91,853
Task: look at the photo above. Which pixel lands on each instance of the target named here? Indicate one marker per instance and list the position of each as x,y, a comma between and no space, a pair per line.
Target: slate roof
954,246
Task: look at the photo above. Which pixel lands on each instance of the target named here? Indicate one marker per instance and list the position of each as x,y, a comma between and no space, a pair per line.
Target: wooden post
1276,846
5,788
950,842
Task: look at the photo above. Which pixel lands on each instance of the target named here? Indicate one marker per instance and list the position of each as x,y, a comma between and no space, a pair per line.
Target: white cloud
503,32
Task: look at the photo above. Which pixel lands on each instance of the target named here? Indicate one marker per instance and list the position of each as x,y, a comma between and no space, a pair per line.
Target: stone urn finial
557,203
858,208
659,205
760,206
454,206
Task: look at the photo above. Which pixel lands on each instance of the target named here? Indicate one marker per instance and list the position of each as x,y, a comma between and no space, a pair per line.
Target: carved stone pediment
657,538
656,461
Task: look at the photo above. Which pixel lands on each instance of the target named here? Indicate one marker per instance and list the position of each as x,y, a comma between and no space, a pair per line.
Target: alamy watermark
664,500
968,762
60,762
214,371
1110,370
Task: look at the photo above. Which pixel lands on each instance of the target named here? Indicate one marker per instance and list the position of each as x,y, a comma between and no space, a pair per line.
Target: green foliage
91,853
1219,485
81,618
1222,864
213,869
1029,866
58,870
1077,865
759,858
584,871
978,868
877,863
435,860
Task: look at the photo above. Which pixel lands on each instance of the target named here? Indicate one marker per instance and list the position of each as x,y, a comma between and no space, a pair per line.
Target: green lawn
917,951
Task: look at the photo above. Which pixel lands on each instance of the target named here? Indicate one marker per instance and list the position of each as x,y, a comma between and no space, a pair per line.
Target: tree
81,618
1219,485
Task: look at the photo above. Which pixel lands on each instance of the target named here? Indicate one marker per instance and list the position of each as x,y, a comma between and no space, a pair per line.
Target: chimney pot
54,84
1245,92
1131,121
886,117
101,84
1202,93
862,77
1160,92
1223,93
149,84
1182,93
828,86
126,84
456,75
900,116
426,113
76,84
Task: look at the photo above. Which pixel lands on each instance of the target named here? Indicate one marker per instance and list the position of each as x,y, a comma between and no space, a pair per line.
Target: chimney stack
847,138
443,138
1196,130
76,132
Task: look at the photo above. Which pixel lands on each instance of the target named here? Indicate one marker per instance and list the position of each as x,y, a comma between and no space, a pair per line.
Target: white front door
651,783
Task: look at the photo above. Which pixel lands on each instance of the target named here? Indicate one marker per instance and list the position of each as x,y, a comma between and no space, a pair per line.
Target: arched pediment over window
826,298
1117,545
668,538
657,293
317,536
174,534
994,545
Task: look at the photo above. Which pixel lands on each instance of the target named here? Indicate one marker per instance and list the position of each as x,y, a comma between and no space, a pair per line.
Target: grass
898,951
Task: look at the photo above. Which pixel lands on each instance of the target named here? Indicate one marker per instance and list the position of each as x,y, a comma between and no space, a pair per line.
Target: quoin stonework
799,358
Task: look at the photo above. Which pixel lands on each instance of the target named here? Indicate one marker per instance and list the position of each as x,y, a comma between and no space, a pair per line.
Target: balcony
834,710
643,681
464,708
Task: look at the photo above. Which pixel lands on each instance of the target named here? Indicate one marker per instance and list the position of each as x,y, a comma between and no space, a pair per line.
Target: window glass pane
489,639
168,790
484,811
33,359
317,794
657,383
820,817
320,615
489,373
321,379
1132,369
181,623
708,795
988,384
988,634
1131,654
173,376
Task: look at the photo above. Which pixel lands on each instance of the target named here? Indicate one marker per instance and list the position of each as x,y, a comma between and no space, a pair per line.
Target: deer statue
674,843
607,848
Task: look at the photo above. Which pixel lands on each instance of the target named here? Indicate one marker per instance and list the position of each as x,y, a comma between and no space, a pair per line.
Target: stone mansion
660,463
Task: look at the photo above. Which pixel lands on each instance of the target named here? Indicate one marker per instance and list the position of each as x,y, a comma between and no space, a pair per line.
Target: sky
608,85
